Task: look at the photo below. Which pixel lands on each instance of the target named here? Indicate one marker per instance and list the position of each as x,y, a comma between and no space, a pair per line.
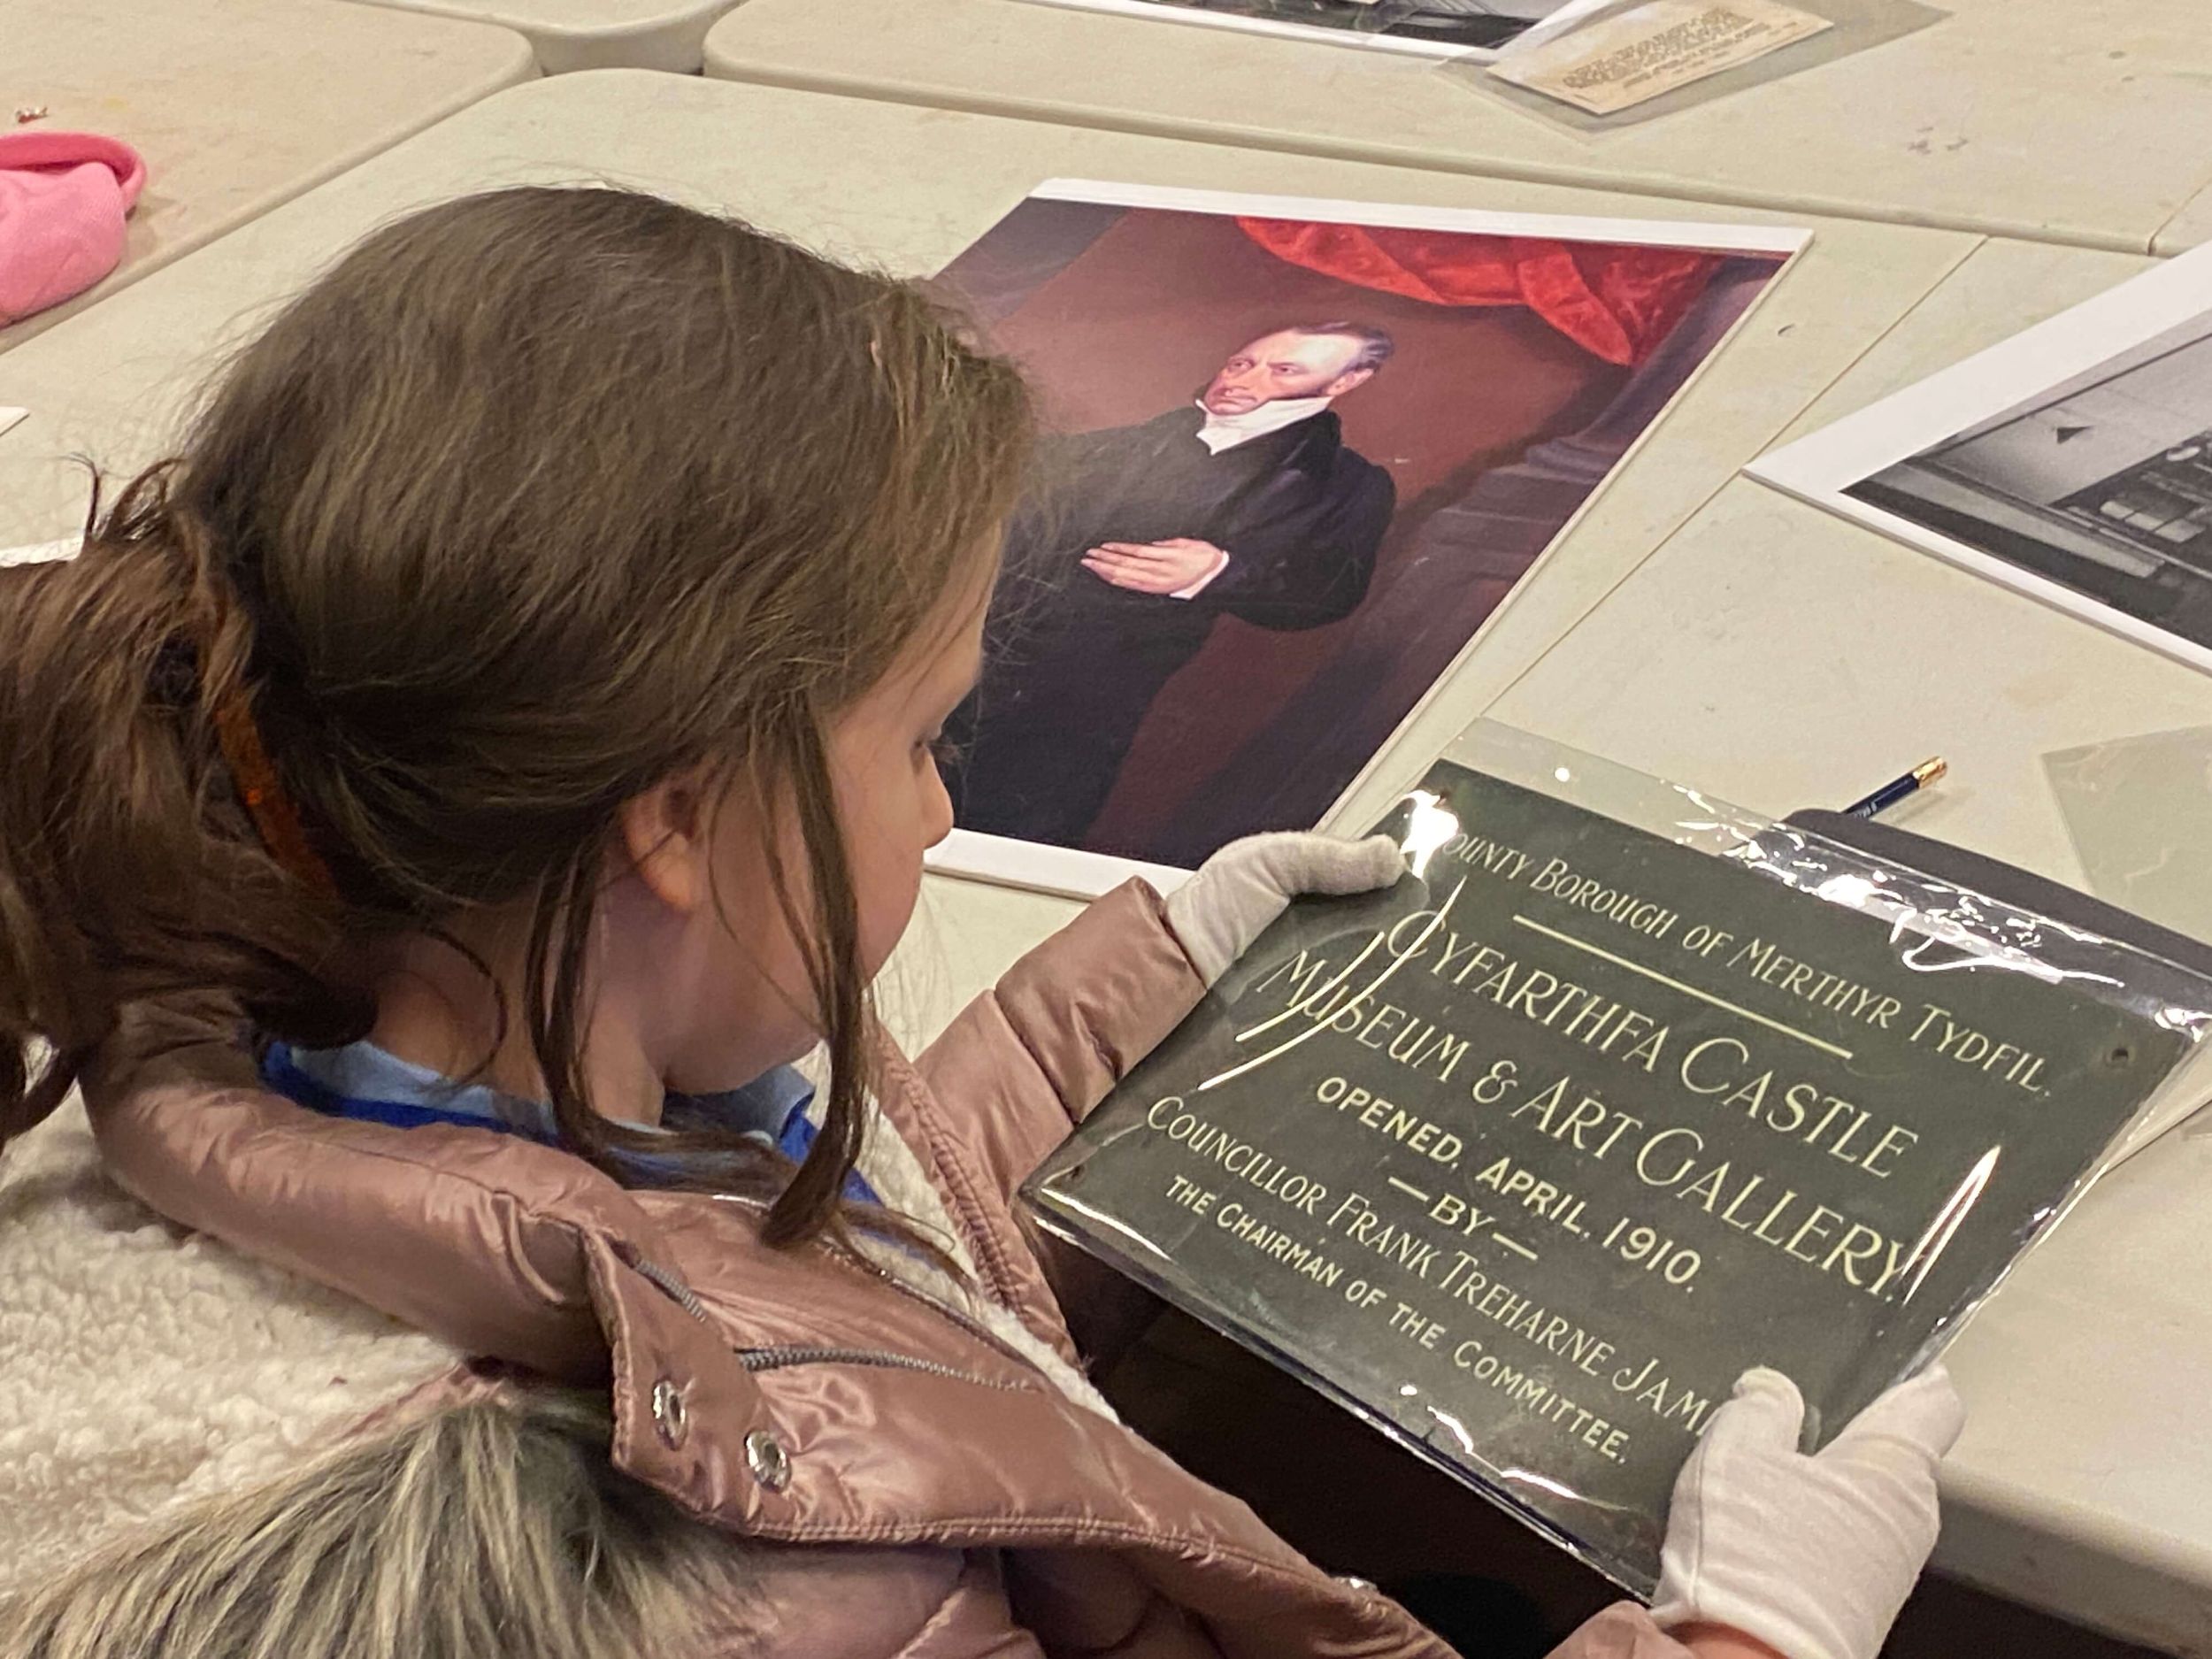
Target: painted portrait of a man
1289,467
1246,503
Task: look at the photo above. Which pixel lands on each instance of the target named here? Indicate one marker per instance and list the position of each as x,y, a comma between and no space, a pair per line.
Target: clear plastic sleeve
1620,1091
2139,812
1852,26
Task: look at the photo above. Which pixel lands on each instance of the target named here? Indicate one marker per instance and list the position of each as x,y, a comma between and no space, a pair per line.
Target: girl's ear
664,831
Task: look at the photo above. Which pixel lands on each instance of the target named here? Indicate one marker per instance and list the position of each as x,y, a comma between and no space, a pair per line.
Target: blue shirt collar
368,1083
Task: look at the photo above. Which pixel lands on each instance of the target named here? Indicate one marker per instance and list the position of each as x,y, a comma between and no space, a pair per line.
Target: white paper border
1072,873
1068,872
1819,468
42,552
1696,235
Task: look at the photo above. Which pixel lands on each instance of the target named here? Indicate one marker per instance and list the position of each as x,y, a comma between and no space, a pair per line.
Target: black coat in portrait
1074,662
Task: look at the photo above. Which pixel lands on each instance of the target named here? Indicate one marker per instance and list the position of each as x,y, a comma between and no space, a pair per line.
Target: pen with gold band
1897,788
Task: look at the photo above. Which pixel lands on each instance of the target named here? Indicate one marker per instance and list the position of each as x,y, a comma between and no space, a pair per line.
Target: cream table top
2188,229
2053,119
570,34
237,105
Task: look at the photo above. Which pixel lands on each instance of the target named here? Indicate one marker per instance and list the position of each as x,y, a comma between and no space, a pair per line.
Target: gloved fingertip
1386,860
1924,1408
1329,864
1766,1381
1765,1410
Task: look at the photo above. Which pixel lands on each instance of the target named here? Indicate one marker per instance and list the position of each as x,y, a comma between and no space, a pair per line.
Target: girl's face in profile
735,975
883,754
697,980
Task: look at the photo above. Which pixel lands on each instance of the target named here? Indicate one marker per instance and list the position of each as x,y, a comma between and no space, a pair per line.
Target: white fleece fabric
143,1367
896,1176
890,1168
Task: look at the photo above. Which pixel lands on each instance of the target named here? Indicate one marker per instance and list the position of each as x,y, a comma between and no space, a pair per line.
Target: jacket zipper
760,1359
670,1285
982,1333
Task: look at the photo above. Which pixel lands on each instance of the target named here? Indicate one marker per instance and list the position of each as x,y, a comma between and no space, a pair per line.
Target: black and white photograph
1435,28
2092,491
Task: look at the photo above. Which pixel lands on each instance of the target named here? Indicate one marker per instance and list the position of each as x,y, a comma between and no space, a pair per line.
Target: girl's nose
936,809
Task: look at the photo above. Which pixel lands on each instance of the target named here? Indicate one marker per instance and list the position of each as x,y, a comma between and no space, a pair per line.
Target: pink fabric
962,1509
62,198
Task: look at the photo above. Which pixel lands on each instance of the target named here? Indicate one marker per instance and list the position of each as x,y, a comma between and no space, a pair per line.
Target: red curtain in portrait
1611,299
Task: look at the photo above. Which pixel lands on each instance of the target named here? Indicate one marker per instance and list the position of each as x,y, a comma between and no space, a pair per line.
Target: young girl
437,806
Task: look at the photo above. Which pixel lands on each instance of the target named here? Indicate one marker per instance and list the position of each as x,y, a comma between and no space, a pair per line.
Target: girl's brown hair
537,499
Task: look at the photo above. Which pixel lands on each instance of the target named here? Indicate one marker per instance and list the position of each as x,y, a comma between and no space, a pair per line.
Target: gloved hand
1220,910
1811,1555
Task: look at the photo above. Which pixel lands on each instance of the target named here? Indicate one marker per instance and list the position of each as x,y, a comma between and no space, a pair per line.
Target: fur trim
490,1529
142,1368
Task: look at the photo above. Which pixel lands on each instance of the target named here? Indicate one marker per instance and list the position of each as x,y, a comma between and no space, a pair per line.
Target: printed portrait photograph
2101,483
1290,468
1440,28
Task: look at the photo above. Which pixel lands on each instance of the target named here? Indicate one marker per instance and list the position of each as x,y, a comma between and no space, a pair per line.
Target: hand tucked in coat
1173,567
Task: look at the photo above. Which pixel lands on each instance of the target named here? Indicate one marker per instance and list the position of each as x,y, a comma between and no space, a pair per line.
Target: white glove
1220,910
1811,1555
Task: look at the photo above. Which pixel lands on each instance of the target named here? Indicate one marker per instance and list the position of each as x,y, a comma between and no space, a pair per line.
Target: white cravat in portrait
1225,432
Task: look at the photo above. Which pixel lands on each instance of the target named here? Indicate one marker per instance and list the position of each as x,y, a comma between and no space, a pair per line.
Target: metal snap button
668,1416
1364,1585
764,1456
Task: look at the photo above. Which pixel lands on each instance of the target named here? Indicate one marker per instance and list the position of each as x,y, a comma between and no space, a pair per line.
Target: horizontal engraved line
1687,990
1513,1245
1410,1191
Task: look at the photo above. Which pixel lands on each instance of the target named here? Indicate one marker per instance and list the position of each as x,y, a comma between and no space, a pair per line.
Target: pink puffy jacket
935,1492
